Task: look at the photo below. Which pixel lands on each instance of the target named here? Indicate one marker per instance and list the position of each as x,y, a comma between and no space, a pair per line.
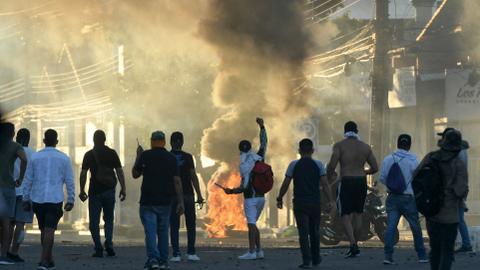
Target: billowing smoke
471,25
262,46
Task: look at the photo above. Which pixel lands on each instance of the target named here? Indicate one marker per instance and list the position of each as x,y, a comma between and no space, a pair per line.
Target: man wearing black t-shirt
101,192
161,185
307,175
189,183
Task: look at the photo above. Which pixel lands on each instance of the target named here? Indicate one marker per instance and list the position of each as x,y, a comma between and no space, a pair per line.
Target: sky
365,9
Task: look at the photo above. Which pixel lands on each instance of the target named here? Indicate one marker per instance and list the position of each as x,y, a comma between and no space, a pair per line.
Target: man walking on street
307,175
10,152
49,171
21,216
442,227
102,162
160,186
352,154
189,183
254,202
397,175
462,225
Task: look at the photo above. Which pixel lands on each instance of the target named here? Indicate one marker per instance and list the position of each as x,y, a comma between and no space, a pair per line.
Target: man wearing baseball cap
442,227
160,186
462,225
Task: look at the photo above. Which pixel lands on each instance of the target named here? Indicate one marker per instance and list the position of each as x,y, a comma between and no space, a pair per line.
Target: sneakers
46,266
464,249
260,255
389,261
176,259
152,264
423,260
193,258
6,261
248,256
110,252
164,266
15,258
98,253
352,252
305,266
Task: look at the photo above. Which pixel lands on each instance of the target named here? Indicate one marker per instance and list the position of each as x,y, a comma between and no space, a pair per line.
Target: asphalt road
72,257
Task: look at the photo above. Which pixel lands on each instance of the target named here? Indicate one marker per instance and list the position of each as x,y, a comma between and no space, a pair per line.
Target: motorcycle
374,222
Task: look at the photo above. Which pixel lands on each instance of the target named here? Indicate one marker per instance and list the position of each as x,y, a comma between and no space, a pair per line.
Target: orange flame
225,212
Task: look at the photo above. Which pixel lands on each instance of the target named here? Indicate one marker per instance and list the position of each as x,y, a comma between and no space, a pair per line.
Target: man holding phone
161,185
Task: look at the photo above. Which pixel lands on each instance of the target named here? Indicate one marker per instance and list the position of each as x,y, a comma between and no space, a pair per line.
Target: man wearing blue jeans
101,191
462,225
402,203
161,183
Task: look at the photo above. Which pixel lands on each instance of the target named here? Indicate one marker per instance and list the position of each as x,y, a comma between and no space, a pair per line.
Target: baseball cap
445,131
158,135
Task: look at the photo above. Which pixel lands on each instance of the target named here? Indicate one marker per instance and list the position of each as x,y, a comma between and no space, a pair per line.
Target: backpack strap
95,156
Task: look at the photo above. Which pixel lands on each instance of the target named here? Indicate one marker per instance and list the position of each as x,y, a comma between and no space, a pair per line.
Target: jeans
104,201
398,206
156,220
190,219
442,244
463,229
307,216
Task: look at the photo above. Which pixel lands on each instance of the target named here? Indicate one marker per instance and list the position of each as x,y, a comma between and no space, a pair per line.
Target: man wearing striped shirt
49,170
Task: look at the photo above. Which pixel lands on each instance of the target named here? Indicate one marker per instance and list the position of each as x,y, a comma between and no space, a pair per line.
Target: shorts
48,214
351,195
253,209
7,201
20,214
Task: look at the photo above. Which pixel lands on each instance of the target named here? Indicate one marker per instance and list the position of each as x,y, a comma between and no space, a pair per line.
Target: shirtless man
352,154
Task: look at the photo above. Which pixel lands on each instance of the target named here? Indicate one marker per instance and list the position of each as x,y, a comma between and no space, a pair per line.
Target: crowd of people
33,183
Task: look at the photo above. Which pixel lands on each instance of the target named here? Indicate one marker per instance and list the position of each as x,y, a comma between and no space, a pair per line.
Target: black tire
380,226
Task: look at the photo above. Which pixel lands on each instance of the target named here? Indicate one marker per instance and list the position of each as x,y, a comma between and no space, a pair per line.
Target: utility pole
380,78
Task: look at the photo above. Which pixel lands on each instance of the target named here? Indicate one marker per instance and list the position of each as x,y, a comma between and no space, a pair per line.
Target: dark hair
244,146
306,146
7,130
51,137
404,142
23,137
176,139
99,137
350,126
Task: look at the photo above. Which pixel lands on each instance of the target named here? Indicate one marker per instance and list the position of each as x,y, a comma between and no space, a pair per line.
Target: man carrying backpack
440,185
462,225
396,174
254,201
307,174
101,161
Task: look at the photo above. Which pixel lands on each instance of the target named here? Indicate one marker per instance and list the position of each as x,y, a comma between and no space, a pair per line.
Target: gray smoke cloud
262,46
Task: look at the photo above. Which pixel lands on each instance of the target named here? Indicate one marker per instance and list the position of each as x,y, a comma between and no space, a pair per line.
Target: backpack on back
427,186
395,180
261,177
104,175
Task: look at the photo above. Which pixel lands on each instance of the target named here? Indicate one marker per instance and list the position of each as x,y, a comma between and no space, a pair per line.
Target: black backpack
428,187
103,174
